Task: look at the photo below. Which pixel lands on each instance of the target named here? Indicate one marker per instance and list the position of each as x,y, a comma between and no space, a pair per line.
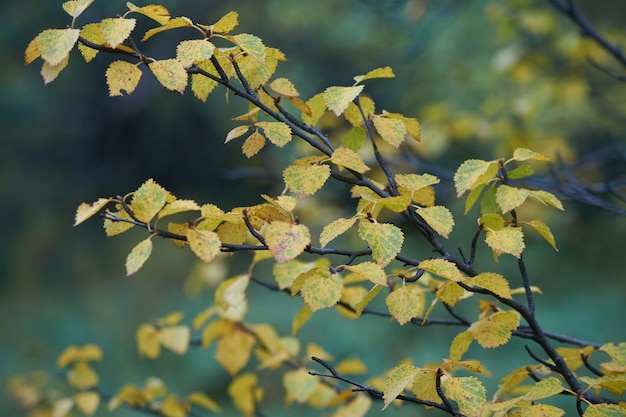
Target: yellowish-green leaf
390,129
354,139
193,51
472,173
492,221
508,240
156,12
76,7
509,198
348,158
85,210
449,292
334,229
360,306
204,401
87,402
384,72
424,386
205,244
548,387
398,379
286,241
488,203
55,45
306,179
202,86
523,154
112,228
351,366
468,393
284,87
617,353
299,384
338,98
138,256
322,291
148,342
49,73
472,197
521,171
148,200
32,51
178,206
92,33
353,112
278,133
170,73
495,330
122,75
227,23
384,239
82,376
406,303
175,338
439,218
605,410
317,105
442,268
177,22
414,182
544,231
459,345
116,30
250,44
493,282
546,198
233,350
370,271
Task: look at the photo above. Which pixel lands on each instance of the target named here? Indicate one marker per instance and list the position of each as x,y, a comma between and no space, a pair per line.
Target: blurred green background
483,77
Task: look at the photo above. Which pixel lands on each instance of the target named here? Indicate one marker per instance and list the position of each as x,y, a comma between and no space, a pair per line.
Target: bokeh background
483,77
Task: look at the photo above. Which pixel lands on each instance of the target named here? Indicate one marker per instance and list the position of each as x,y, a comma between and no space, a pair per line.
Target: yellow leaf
439,218
148,341
175,338
495,330
287,272
317,107
548,387
301,318
245,393
472,173
76,7
448,292
398,380
353,112
236,132
92,33
338,98
415,182
358,407
227,23
468,393
278,133
32,52
305,179
138,256
384,239
509,198
360,306
54,45
85,211
442,268
82,376
251,45
299,384
424,386
370,271
49,72
391,130
459,345
148,200
156,12
413,127
204,401
170,73
116,30
177,22
172,319
215,330
233,350
284,87
286,241
351,366
406,303
604,410
507,240
547,198
60,408
523,154
230,297
87,402
385,72
491,281
300,105
617,353
122,75
253,144
544,231
205,244
178,206
322,291
171,407
472,197
348,158
194,51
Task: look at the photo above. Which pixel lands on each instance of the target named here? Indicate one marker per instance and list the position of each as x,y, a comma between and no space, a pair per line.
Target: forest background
483,77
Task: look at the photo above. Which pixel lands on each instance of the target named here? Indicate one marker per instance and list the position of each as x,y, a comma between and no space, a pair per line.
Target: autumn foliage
350,262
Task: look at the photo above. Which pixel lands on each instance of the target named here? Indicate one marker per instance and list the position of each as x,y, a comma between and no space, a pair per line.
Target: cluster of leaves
389,206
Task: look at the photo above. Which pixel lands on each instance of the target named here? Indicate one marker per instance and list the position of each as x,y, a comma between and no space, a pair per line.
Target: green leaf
384,239
204,243
509,198
194,51
384,72
472,197
370,271
306,179
122,75
472,173
148,200
397,381
334,229
491,281
278,133
156,12
468,393
442,268
299,384
393,131
348,158
76,7
523,154
55,45
250,44
548,387
494,331
488,204
286,241
85,211
170,73
338,98
177,22
604,410
138,256
544,231
508,240
360,306
520,172
116,30
321,290
406,303
439,218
